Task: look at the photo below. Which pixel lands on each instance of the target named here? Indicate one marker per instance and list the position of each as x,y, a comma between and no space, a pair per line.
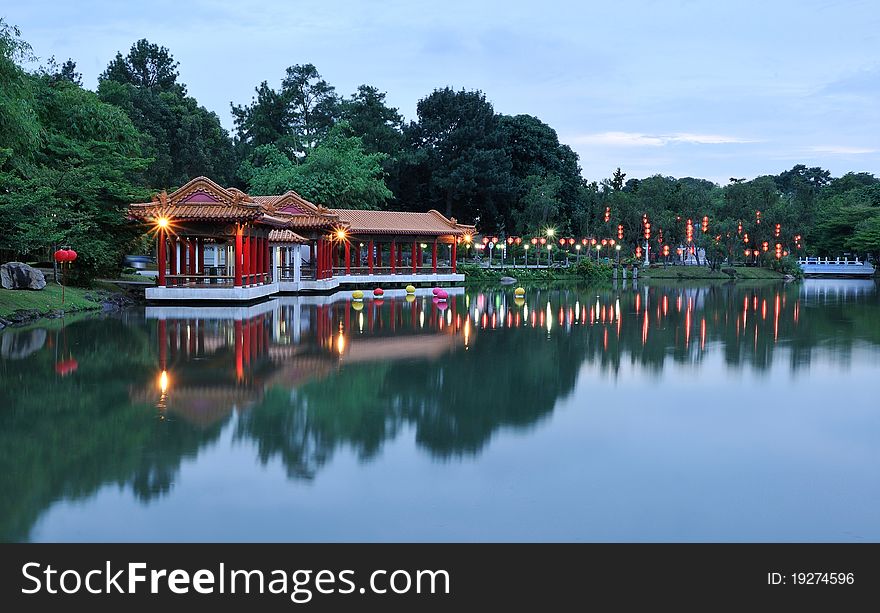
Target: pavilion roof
202,199
431,223
286,236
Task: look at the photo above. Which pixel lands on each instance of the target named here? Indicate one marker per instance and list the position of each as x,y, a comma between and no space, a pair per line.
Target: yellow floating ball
357,305
410,289
357,295
410,297
519,301
519,291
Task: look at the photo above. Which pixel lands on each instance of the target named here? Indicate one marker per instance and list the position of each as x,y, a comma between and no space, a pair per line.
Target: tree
455,158
313,104
338,173
378,125
265,121
147,66
183,139
19,127
617,179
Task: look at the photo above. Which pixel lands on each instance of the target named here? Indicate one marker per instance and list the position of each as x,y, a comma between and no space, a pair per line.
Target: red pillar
161,258
392,258
191,260
320,257
246,259
454,254
415,257
254,265
237,270
434,256
370,257
261,259
347,263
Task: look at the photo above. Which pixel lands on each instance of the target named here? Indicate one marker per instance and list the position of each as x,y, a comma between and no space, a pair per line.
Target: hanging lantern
690,231
607,214
620,231
704,226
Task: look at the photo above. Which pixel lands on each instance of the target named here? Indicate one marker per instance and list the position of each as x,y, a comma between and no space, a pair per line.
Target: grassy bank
49,299
476,275
702,272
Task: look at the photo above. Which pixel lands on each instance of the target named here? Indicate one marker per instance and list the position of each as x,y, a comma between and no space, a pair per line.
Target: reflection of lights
421,319
360,322
467,331
340,343
525,311
163,382
549,318
449,317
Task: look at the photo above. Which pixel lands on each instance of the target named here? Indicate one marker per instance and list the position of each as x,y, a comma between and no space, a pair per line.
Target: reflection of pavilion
213,361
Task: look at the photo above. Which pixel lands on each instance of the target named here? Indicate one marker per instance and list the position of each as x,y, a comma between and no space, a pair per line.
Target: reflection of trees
65,437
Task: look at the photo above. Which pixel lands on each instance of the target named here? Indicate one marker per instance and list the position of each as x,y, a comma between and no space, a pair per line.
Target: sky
677,87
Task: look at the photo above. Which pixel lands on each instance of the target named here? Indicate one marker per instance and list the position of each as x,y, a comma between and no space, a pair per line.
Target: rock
19,345
23,315
17,275
507,280
788,278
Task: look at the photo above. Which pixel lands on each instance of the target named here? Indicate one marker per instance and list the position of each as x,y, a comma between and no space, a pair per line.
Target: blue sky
682,88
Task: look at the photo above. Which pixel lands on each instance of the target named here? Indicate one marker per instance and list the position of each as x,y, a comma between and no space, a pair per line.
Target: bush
787,266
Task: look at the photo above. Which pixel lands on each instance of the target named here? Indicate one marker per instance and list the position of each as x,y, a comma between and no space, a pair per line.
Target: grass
702,272
46,300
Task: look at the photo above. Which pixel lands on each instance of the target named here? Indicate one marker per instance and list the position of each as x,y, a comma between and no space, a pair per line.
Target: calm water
660,413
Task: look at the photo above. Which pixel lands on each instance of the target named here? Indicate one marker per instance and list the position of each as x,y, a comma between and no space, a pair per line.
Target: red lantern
620,231
66,367
485,240
705,225
607,213
584,241
509,240
534,241
71,255
542,240
604,242
665,250
518,240
593,241
571,241
562,242
61,255
494,239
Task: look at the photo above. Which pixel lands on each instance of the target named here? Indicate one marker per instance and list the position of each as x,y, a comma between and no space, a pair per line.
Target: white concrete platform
248,294
210,294
378,280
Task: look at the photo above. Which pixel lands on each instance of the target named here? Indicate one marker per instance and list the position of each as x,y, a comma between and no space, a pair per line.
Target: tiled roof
431,223
202,199
285,236
310,221
150,211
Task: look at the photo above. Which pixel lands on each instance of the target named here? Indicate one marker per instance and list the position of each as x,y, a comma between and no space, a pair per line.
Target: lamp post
526,248
549,249
617,248
578,249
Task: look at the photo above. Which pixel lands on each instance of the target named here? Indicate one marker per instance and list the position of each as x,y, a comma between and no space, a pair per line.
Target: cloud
637,139
841,150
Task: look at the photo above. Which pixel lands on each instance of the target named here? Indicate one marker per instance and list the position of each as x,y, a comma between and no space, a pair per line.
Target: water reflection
126,399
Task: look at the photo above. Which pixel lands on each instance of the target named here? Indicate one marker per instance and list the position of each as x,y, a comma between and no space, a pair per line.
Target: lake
656,412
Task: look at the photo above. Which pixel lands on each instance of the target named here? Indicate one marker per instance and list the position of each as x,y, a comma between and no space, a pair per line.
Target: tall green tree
182,138
455,159
338,173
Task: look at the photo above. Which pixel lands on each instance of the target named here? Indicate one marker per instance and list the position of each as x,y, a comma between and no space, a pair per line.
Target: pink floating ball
442,295
378,292
436,291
